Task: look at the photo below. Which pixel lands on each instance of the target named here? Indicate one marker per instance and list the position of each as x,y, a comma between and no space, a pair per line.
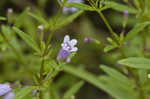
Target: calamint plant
39,61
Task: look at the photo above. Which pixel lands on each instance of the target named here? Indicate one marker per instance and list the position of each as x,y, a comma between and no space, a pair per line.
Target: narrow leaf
2,18
119,7
27,39
68,20
84,75
117,75
73,90
136,62
20,19
80,6
109,48
142,76
116,89
97,82
137,28
23,92
38,18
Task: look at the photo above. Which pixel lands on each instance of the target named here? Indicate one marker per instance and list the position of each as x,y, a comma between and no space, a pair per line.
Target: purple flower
71,9
4,88
9,95
126,12
68,60
34,92
66,48
6,91
87,40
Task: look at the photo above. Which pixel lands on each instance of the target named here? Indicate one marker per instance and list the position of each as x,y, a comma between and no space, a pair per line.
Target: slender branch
114,35
45,52
122,53
43,61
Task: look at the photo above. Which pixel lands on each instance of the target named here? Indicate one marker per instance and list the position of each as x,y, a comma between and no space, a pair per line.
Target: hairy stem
114,35
42,64
141,94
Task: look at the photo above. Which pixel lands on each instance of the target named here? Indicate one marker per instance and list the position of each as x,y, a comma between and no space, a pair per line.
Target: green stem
42,64
114,35
143,41
122,53
45,52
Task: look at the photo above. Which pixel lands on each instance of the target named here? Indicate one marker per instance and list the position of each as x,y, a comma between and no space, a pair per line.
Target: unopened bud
10,10
148,75
125,18
126,12
10,15
40,28
87,40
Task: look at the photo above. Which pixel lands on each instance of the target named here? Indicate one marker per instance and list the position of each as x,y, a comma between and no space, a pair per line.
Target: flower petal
66,38
74,49
62,45
73,42
4,88
63,54
9,95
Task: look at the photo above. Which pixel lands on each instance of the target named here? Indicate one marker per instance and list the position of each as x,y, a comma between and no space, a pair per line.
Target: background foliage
113,65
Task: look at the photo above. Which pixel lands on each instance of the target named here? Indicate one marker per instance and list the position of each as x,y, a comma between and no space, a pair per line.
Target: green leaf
20,19
83,74
142,76
9,35
114,91
7,32
119,7
23,92
117,75
136,3
53,92
73,90
109,48
2,18
111,41
137,28
31,28
38,18
27,39
80,6
68,20
136,62
117,89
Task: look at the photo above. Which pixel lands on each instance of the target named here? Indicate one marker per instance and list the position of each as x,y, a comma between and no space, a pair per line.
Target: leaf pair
116,84
24,92
27,39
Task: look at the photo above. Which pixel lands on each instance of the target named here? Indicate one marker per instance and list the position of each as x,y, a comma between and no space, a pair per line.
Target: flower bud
87,40
126,12
10,15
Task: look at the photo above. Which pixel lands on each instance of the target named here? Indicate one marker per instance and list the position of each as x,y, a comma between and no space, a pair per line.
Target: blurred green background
89,55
